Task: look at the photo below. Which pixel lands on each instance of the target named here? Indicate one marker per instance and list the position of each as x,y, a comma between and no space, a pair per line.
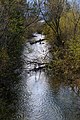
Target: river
36,96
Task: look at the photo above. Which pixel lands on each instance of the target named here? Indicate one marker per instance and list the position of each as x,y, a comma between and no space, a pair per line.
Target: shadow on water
67,96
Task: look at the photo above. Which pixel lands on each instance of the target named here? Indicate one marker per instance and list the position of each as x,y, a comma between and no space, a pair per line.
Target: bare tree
52,16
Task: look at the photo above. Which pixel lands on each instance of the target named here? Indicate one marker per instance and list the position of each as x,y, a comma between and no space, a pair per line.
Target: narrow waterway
34,95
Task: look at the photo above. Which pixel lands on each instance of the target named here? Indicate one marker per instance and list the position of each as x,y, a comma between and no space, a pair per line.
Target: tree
17,23
52,16
62,30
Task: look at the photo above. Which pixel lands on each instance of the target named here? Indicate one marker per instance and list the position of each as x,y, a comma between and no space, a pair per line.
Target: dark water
36,96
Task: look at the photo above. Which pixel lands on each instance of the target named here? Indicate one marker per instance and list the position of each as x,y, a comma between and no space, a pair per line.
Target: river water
36,96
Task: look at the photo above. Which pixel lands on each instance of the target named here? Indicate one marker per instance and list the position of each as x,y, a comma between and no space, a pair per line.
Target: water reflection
67,99
41,104
37,53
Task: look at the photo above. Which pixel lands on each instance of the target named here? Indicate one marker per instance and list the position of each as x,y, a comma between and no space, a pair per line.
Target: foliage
65,61
17,18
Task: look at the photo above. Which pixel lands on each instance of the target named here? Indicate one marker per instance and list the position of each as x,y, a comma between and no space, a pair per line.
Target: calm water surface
35,96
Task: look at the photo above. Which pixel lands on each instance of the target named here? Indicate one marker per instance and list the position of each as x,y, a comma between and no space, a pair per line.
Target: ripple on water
41,105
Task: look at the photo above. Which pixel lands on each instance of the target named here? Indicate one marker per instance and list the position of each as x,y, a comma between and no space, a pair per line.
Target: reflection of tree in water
56,82
75,86
67,95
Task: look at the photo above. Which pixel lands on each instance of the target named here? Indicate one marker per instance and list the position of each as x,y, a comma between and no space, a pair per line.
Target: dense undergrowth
62,31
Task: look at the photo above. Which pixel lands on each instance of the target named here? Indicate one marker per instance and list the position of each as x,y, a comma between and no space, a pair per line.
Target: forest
58,24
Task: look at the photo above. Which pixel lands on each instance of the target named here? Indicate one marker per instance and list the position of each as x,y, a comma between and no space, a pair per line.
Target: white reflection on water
39,52
40,102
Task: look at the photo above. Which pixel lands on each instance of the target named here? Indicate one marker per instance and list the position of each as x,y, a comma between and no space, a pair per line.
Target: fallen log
34,42
37,69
